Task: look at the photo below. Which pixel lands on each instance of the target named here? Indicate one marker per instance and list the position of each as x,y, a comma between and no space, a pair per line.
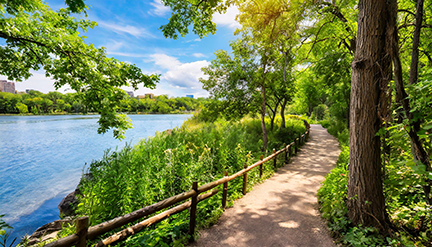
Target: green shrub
403,189
319,111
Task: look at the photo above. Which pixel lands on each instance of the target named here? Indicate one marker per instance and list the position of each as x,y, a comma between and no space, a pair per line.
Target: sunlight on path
282,211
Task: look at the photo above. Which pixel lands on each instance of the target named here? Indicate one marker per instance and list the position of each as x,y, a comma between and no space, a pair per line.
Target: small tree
22,108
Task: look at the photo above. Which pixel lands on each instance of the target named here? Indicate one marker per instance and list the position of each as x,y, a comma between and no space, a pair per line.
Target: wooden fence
85,233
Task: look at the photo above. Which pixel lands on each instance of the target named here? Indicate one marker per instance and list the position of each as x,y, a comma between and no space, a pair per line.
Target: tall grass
166,164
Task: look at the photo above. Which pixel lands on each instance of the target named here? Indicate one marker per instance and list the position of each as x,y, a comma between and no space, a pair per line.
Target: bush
319,111
403,190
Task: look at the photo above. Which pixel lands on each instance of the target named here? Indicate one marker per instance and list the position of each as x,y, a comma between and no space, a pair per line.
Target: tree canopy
38,37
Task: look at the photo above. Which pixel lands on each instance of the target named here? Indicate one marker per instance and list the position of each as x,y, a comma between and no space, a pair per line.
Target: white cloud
164,61
126,54
178,87
114,45
192,40
227,19
159,8
180,75
186,75
127,29
198,55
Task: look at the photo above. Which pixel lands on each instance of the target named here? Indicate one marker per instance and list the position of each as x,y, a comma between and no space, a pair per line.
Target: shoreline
142,129
94,113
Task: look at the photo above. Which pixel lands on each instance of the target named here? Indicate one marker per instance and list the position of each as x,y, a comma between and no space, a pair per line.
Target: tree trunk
371,71
416,43
263,127
418,151
282,113
272,119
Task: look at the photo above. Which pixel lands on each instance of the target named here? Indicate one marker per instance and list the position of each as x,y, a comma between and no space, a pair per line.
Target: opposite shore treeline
36,103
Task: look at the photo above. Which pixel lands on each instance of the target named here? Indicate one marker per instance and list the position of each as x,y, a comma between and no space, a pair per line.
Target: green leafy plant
167,164
5,233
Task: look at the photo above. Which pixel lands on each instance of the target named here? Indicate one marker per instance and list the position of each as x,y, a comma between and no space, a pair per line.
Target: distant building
6,86
189,96
130,93
149,95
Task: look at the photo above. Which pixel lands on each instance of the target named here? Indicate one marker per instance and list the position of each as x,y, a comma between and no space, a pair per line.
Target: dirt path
282,211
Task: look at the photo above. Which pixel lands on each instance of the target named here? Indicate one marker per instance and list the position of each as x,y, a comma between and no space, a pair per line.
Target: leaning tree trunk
371,71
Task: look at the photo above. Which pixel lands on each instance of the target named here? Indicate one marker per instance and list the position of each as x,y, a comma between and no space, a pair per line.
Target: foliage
405,200
51,40
4,233
58,103
232,80
167,164
197,13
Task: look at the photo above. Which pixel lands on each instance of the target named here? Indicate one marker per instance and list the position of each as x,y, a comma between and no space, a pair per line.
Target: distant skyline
130,32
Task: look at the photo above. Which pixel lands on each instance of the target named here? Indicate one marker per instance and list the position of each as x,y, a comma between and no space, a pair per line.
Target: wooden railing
85,233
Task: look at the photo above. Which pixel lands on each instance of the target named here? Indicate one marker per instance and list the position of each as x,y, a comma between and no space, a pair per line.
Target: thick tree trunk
371,71
263,127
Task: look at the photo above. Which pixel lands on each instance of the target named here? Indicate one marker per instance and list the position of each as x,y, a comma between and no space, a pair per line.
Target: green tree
60,105
51,40
8,102
163,107
22,108
232,82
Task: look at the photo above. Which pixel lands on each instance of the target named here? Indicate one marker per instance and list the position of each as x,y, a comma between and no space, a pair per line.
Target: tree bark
416,43
371,72
263,127
282,113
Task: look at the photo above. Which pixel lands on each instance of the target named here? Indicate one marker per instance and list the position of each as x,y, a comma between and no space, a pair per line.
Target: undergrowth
410,217
166,164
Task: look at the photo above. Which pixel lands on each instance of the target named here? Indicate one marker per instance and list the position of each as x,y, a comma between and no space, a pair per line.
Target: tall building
6,86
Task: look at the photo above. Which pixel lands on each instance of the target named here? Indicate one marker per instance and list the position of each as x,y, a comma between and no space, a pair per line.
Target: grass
165,165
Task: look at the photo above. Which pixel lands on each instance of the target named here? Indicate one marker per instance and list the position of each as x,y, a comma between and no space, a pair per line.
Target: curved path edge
283,210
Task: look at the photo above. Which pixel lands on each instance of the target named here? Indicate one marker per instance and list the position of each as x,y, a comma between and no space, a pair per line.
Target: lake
42,159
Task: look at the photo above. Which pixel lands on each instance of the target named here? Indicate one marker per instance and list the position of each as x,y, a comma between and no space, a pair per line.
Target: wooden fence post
192,220
261,166
296,145
81,231
224,192
286,154
274,159
245,180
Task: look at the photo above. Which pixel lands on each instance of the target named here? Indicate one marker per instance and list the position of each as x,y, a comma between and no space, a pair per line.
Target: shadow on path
282,211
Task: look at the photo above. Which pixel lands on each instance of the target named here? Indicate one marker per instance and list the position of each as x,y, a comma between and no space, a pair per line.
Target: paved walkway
282,211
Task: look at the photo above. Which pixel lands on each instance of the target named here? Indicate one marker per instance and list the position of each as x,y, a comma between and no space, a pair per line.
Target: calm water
42,159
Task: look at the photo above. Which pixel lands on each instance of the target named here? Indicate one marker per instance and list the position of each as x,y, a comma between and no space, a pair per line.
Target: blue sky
130,32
